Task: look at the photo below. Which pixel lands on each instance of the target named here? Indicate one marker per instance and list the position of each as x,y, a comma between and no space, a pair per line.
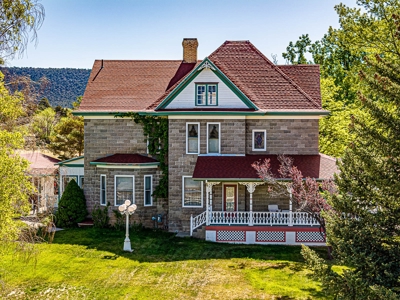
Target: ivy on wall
155,129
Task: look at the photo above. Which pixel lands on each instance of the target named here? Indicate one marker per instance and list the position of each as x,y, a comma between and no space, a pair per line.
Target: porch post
289,188
209,192
251,189
251,186
207,205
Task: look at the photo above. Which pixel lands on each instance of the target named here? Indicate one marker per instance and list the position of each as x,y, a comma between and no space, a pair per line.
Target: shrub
100,216
72,206
119,220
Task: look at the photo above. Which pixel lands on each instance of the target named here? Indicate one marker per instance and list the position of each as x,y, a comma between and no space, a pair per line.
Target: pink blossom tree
308,195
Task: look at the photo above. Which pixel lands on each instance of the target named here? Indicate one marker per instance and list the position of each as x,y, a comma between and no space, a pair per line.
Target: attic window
206,94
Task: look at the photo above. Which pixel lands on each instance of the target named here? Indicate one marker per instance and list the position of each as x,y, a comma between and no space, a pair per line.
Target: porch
240,208
283,228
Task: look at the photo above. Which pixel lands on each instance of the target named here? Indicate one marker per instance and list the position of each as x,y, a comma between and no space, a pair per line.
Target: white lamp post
128,210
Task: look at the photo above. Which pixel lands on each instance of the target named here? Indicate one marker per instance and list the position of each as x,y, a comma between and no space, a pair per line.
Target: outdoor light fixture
128,210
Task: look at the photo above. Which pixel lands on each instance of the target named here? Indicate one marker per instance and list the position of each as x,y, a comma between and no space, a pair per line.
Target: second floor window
192,138
207,94
213,138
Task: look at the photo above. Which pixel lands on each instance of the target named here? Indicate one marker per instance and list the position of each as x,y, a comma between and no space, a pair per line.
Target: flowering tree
308,195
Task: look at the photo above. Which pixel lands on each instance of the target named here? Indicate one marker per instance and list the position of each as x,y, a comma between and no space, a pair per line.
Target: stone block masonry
109,136
286,136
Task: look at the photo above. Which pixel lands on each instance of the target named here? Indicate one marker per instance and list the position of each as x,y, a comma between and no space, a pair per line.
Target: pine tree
364,231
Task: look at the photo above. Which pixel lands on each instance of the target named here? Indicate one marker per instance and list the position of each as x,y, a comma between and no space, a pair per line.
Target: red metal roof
239,167
125,158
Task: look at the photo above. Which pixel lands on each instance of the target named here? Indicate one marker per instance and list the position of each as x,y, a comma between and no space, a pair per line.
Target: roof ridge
301,65
284,75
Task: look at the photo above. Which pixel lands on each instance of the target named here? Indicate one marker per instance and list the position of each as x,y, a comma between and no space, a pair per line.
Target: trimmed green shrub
72,206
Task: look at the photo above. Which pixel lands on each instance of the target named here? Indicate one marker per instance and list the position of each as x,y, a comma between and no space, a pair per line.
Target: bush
100,216
72,206
119,220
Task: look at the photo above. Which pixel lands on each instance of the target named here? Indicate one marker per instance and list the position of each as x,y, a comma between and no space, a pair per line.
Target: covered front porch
240,208
275,225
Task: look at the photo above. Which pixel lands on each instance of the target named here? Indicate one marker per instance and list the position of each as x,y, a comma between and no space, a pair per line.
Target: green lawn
90,264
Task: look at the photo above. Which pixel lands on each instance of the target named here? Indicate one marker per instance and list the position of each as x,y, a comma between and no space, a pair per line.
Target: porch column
289,189
209,201
251,186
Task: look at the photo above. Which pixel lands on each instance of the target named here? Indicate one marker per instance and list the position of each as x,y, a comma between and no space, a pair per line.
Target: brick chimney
190,50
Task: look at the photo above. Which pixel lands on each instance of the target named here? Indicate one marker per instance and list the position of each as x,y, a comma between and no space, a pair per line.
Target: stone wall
232,134
291,136
110,136
105,137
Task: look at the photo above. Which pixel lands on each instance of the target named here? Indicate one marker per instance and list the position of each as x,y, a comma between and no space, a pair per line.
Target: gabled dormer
206,88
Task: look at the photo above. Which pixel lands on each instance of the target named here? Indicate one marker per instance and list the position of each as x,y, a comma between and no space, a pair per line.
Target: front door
230,197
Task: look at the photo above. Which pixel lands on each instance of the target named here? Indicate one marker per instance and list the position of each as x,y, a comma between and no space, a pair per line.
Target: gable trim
206,63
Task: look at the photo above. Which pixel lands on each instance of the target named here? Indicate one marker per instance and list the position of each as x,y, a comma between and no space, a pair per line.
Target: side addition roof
40,164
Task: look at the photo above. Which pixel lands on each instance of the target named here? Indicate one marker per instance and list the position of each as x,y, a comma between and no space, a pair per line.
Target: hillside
65,84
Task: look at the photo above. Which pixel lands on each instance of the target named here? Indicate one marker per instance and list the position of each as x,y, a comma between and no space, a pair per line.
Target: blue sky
76,32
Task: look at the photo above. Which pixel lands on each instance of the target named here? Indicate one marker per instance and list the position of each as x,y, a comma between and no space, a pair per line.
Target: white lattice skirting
264,235
231,236
309,237
270,236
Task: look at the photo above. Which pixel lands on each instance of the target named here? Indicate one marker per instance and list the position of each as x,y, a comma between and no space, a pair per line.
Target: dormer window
206,94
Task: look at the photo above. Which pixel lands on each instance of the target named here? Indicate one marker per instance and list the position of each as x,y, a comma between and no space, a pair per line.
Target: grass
88,263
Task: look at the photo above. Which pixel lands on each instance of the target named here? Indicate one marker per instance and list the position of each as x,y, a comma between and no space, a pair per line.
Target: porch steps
183,234
199,233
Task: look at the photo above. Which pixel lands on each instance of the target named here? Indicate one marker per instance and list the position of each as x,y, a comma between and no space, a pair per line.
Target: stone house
224,112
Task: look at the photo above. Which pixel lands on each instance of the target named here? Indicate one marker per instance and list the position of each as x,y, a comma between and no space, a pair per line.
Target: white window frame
187,137
205,94
105,189
219,137
80,180
265,139
151,190
115,188
183,194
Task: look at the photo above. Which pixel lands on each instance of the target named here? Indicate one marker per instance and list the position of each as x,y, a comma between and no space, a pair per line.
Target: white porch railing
197,221
252,218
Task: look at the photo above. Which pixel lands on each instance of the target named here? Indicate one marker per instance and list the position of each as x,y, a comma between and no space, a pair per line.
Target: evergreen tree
364,231
43,104
72,206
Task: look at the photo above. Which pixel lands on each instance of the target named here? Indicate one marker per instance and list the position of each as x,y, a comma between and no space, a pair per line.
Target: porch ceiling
236,168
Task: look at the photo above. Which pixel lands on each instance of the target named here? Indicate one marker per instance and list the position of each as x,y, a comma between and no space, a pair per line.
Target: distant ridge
65,83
